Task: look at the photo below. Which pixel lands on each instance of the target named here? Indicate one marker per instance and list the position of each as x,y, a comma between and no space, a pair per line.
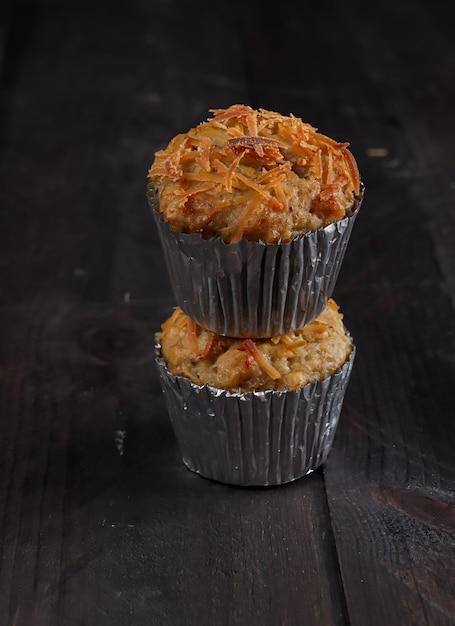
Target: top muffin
254,174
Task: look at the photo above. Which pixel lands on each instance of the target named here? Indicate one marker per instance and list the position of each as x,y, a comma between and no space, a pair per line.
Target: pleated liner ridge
255,438
249,288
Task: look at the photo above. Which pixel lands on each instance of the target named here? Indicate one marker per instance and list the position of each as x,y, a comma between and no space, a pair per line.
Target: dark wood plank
391,474
5,21
101,523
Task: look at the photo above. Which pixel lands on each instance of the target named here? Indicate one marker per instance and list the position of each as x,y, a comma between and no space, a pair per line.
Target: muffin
256,175
255,412
254,211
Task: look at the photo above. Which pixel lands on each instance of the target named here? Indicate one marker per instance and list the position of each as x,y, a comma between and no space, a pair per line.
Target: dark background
100,522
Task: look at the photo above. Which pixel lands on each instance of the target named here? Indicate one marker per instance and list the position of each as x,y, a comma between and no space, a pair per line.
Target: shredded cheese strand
261,359
192,336
240,147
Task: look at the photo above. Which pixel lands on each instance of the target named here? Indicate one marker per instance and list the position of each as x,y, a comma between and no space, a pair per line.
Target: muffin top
254,174
289,361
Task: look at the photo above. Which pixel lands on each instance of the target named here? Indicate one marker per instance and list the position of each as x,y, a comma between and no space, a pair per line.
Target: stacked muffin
254,211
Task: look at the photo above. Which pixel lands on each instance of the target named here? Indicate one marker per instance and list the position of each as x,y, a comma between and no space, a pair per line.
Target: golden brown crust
290,361
254,174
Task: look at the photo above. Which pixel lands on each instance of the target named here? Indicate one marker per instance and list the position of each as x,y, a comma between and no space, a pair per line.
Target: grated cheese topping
289,361
254,174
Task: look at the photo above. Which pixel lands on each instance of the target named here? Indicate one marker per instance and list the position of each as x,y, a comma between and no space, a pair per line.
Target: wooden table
100,522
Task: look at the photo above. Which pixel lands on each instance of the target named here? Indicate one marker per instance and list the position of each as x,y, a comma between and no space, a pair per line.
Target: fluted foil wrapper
249,288
256,438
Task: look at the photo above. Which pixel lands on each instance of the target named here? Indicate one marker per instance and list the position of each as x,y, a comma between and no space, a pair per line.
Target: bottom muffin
255,412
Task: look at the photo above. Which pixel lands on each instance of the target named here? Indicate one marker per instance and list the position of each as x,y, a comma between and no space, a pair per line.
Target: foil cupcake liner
257,438
249,288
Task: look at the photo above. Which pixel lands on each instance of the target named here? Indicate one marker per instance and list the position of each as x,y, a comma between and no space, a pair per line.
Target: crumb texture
289,361
254,174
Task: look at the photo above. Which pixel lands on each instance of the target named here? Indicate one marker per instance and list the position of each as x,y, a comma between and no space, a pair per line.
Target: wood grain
100,522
